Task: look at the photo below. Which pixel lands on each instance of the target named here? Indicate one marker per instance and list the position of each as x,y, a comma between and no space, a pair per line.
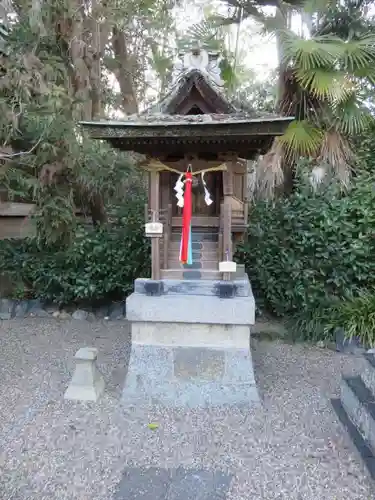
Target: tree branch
6,156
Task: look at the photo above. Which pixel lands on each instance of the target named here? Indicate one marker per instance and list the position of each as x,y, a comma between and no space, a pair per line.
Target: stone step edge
370,358
188,277
188,271
208,265
368,374
175,259
362,393
360,444
363,401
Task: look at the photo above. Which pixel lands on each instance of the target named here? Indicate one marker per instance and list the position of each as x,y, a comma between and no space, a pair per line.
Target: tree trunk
282,22
86,79
283,19
95,70
124,71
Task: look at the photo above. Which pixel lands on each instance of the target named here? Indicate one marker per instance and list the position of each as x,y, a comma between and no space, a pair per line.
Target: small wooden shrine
197,130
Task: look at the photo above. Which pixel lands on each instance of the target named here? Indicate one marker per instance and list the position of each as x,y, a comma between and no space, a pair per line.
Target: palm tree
320,80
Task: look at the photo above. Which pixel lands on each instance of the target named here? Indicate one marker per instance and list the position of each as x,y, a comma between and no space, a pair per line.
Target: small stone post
87,383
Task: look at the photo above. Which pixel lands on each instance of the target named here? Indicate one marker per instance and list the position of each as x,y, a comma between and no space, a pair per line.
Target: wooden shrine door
214,185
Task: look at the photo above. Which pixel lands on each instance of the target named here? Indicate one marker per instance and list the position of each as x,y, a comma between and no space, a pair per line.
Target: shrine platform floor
291,448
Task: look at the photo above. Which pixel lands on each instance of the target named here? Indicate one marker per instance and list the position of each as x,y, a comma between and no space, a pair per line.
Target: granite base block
190,365
191,309
189,377
191,335
195,287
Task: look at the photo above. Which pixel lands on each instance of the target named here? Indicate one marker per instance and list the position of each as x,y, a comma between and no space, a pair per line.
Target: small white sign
227,266
154,229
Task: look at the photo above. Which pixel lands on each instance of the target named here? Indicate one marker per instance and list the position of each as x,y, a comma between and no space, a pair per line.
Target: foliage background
312,245
100,264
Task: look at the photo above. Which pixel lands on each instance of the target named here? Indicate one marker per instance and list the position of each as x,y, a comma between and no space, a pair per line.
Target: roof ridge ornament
199,59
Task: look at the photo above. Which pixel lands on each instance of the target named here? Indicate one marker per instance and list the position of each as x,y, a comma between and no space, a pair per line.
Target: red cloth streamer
186,218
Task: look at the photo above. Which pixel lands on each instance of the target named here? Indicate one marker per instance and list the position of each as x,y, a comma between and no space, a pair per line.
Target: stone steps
200,264
197,236
197,245
208,255
194,274
356,410
204,252
197,256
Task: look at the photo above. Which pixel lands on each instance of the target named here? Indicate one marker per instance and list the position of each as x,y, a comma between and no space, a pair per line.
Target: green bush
356,316
312,247
100,263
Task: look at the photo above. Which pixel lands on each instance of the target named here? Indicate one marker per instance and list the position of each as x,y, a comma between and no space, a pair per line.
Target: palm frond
307,54
359,53
325,84
366,74
351,116
301,139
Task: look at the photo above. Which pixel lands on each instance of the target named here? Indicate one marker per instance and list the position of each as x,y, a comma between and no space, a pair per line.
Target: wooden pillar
227,215
154,182
227,233
246,202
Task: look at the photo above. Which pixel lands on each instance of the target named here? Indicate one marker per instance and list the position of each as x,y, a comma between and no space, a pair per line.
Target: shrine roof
160,119
210,87
181,134
195,115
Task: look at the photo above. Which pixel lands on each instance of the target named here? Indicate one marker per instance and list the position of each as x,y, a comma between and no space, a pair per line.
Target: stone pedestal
190,350
87,383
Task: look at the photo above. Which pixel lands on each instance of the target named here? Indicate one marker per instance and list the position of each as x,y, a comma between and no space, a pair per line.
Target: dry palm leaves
269,171
337,153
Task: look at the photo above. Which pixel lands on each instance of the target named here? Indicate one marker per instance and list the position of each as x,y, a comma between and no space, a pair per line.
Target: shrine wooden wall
15,221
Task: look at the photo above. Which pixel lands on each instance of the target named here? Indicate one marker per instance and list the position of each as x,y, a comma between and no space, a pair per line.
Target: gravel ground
291,448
